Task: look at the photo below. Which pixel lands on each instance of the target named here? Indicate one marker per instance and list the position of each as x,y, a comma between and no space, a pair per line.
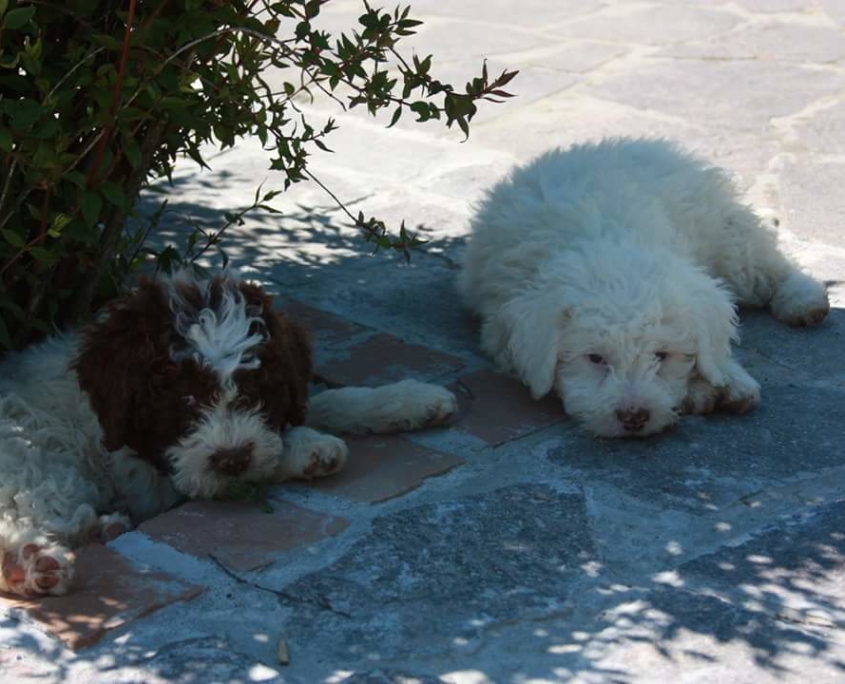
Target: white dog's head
619,331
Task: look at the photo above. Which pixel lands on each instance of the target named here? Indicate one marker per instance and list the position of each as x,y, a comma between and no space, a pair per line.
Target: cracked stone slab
498,409
383,467
109,593
442,573
241,536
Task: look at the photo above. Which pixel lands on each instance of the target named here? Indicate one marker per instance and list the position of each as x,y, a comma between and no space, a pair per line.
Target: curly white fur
609,272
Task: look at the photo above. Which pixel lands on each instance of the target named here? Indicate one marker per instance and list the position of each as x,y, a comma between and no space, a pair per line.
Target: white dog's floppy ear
529,337
714,324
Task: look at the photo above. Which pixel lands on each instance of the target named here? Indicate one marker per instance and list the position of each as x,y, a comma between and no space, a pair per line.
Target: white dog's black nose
232,461
633,420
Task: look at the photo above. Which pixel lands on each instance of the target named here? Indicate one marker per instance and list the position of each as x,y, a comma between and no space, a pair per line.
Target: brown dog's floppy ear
281,381
116,358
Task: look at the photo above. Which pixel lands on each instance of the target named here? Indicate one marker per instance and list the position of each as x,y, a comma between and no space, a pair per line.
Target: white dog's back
648,191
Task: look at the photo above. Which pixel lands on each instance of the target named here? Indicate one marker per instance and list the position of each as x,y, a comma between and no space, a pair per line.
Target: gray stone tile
810,350
737,95
530,13
794,572
649,25
430,580
823,131
813,201
710,463
778,41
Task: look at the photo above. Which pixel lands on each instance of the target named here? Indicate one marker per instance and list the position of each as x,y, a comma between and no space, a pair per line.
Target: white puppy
609,272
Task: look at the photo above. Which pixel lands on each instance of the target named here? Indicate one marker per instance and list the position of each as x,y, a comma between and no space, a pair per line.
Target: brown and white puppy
180,390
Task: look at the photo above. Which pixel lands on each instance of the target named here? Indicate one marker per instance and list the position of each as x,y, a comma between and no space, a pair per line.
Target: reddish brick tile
384,358
109,593
382,467
497,409
326,328
240,535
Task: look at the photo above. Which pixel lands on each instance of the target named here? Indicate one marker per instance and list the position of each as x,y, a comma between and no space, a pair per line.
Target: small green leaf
12,238
114,194
132,152
18,17
77,178
92,203
3,5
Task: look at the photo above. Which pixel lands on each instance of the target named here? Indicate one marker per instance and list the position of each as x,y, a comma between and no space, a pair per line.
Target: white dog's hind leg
800,300
406,405
308,454
761,275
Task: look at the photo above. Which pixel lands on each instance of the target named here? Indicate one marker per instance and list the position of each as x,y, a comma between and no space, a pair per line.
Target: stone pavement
511,547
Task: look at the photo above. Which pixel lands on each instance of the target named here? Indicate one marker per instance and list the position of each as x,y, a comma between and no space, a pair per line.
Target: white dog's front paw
36,569
420,405
701,397
800,301
741,393
309,454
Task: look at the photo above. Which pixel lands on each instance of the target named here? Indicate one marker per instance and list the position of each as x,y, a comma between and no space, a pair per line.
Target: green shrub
100,97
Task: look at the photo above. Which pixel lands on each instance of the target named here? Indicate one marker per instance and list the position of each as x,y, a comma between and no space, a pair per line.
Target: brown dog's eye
597,359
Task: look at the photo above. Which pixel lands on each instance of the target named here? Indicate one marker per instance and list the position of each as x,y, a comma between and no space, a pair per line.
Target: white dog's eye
597,359
661,356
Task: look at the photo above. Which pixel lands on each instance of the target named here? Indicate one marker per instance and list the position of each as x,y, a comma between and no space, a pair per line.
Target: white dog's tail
406,405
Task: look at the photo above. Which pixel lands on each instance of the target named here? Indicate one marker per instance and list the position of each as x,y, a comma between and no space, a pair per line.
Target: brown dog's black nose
633,420
232,461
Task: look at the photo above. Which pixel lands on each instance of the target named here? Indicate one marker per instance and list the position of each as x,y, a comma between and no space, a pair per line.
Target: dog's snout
633,420
232,461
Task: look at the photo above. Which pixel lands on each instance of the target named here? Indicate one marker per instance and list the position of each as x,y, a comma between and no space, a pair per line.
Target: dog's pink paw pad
35,571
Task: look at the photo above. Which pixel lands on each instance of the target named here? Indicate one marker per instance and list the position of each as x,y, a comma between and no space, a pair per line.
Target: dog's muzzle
232,461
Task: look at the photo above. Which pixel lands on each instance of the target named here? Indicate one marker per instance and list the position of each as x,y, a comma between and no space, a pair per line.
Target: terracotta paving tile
384,358
497,409
383,467
109,593
240,535
325,327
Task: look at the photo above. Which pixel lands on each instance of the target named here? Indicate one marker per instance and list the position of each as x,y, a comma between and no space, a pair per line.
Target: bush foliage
100,97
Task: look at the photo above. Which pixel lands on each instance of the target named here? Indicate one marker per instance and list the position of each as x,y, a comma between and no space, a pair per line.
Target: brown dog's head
198,377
